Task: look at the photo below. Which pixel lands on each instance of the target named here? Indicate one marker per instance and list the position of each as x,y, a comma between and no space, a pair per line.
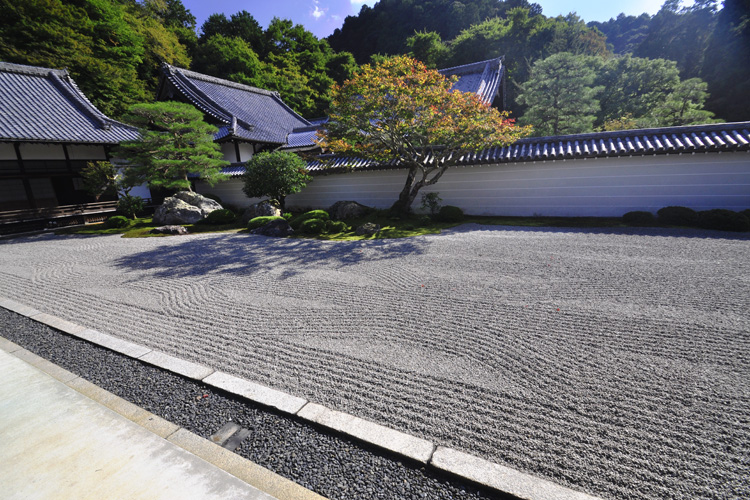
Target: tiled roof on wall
242,112
45,105
482,78
709,138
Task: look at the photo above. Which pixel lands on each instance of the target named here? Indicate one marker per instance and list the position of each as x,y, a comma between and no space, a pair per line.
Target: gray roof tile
45,105
242,112
482,78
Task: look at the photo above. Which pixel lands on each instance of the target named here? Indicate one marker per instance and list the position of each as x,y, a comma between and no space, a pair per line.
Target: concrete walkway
59,444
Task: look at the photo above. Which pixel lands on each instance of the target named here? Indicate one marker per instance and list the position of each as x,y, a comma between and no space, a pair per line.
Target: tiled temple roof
656,141
242,112
45,105
482,78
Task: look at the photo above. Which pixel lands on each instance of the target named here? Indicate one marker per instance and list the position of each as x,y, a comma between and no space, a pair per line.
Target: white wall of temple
7,151
230,152
34,151
80,152
602,187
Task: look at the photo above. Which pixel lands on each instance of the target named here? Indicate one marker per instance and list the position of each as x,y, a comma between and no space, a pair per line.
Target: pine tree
560,95
175,142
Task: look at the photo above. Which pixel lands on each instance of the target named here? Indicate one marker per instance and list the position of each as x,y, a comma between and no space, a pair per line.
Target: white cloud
317,12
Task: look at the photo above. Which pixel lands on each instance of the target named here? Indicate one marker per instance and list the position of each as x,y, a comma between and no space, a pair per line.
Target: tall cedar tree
275,175
560,95
175,141
400,111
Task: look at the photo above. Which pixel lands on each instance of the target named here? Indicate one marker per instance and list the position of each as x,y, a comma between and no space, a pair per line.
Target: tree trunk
402,206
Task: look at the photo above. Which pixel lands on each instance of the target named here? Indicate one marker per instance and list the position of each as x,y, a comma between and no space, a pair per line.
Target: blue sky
323,16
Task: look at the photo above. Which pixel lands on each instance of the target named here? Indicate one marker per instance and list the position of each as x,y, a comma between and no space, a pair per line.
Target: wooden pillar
24,178
68,163
237,151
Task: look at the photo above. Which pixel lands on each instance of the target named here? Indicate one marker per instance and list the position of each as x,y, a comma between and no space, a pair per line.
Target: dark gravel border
329,464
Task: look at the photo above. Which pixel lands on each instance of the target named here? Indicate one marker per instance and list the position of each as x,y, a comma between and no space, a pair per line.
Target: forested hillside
676,67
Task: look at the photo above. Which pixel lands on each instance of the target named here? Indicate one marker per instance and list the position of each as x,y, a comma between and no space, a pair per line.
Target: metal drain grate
230,436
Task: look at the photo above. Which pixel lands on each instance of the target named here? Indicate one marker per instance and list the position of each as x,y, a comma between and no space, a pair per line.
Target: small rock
260,209
169,230
367,229
342,210
277,228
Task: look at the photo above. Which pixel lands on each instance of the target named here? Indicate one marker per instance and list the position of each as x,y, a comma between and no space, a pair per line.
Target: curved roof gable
243,112
482,78
45,105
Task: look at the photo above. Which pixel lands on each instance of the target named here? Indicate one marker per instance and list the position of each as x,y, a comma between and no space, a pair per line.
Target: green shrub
431,202
287,215
638,218
312,226
449,213
217,217
723,220
130,206
262,221
117,221
296,222
334,227
677,216
425,221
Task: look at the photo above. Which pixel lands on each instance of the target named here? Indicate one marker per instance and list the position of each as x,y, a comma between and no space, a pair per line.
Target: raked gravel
611,361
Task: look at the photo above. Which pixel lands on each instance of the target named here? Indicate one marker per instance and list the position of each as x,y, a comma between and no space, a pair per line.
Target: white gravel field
616,362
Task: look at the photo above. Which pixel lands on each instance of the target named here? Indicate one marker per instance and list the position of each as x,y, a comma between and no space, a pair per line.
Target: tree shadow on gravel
664,232
247,254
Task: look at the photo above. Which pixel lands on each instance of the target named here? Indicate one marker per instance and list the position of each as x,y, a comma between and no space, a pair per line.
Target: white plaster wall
246,151
227,149
230,191
143,191
42,152
7,151
595,187
80,152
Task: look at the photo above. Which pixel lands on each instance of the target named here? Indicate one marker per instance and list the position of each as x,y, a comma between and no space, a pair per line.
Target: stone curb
457,463
261,478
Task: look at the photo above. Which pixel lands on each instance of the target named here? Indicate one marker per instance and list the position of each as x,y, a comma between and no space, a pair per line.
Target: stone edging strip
261,478
463,465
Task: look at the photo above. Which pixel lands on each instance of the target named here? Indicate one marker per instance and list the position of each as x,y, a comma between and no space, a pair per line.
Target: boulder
367,229
342,210
169,230
184,207
260,209
278,228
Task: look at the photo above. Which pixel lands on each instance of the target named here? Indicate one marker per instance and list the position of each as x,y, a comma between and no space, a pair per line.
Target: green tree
275,175
230,58
635,86
429,48
561,95
399,111
684,105
727,70
99,178
175,142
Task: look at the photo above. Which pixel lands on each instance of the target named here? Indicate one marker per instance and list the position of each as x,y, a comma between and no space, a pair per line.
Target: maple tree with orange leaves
400,111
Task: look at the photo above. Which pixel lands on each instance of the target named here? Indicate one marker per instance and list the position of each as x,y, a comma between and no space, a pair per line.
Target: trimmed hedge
449,213
334,227
117,221
217,217
723,220
262,221
312,226
639,218
296,222
677,216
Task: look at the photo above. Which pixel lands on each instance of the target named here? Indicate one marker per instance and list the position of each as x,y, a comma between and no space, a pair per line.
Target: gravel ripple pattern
611,361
